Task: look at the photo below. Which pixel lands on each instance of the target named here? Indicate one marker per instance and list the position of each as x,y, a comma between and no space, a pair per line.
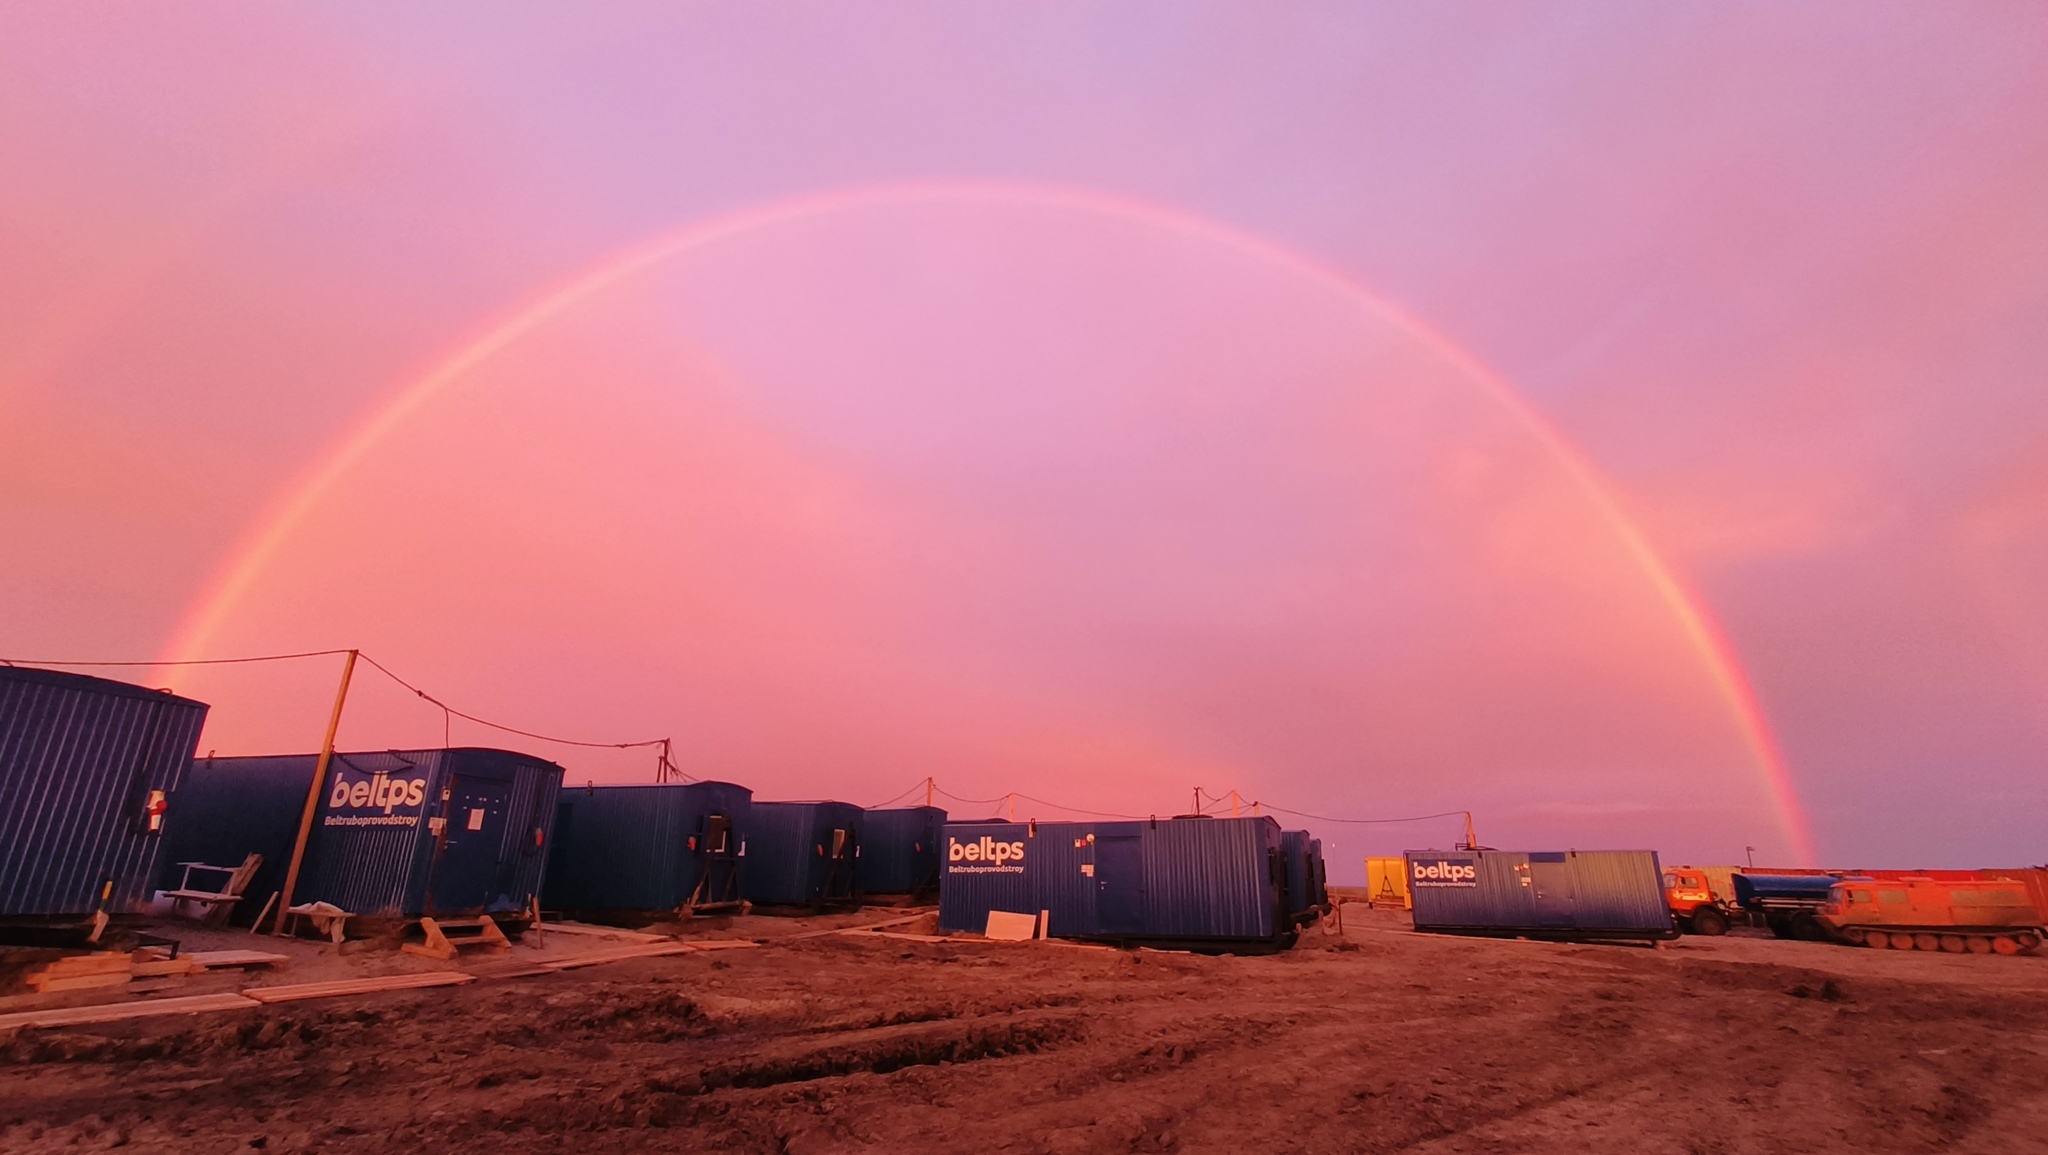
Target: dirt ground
1374,1040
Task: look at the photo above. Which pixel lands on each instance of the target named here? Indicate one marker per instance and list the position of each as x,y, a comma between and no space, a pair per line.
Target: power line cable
180,662
914,788
1364,821
510,729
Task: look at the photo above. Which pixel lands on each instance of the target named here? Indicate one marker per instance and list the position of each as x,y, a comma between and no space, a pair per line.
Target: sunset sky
1628,423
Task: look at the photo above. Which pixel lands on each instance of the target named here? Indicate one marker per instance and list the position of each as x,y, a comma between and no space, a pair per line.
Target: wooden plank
89,964
223,959
115,1012
607,932
618,954
1006,926
363,986
171,966
51,984
857,929
720,943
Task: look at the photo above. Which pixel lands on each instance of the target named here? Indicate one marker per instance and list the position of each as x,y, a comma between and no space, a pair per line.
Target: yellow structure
1386,882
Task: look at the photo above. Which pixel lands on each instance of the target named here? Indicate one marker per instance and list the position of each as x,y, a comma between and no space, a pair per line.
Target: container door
718,881
466,863
1119,885
841,852
1550,878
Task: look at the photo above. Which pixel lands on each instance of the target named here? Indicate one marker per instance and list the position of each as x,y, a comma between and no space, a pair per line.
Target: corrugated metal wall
1618,889
1218,879
1301,872
229,808
529,823
899,849
379,858
381,869
969,890
79,757
629,847
1555,894
783,860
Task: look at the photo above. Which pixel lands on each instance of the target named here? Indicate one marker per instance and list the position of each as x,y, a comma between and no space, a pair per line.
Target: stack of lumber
82,972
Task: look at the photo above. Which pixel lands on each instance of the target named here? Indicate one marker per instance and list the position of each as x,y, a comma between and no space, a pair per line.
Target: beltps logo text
1444,872
379,791
984,855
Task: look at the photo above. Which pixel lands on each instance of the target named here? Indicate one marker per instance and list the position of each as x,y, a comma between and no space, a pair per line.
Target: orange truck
1702,899
1900,911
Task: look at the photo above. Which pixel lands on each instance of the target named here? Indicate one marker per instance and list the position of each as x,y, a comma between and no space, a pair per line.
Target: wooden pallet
469,932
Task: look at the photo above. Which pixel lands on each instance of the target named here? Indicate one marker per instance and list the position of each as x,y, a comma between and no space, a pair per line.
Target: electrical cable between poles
182,662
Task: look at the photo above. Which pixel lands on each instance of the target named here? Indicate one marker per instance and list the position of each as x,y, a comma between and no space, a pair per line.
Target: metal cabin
1566,895
801,853
647,848
1308,895
1202,883
85,767
397,833
899,850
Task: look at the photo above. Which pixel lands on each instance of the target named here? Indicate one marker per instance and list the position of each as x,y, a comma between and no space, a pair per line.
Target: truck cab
1690,896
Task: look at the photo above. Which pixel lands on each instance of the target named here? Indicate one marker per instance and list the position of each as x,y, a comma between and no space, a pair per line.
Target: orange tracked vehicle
1917,912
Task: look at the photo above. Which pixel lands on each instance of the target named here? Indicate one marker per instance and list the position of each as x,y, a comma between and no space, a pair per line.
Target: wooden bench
218,903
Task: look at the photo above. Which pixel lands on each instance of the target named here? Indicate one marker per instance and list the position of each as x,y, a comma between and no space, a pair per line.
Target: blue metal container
229,808
1205,883
398,833
1307,896
86,765
647,848
899,850
801,853
1569,894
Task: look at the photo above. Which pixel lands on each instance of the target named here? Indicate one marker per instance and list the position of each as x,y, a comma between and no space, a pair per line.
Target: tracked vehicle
1976,916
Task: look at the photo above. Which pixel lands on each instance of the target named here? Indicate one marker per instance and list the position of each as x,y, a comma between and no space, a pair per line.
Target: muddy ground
1374,1040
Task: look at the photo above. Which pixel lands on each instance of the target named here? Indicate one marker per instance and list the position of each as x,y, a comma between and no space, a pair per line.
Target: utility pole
1198,800
1233,803
291,875
1013,806
1471,839
927,791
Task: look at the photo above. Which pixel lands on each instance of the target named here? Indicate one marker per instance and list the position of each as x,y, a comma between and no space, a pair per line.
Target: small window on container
2006,898
1892,897
1859,896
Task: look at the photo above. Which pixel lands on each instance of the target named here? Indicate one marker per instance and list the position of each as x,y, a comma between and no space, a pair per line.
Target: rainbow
271,529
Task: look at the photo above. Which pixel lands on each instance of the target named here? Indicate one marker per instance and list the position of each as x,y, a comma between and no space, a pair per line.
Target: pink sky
1028,495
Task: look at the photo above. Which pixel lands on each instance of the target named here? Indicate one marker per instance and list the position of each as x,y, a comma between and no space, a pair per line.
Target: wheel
1877,938
1807,928
1927,941
2027,939
2004,945
1953,943
1708,921
1782,929
1902,942
1978,944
